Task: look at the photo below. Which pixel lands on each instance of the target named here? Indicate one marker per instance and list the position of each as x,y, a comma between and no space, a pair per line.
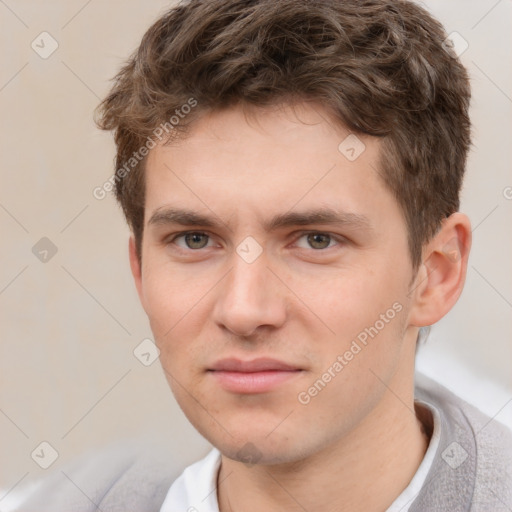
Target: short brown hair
380,67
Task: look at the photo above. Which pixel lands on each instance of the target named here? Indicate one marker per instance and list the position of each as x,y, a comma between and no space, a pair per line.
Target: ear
441,276
136,268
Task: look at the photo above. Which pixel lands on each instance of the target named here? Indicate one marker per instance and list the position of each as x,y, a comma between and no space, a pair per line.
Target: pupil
319,241
194,240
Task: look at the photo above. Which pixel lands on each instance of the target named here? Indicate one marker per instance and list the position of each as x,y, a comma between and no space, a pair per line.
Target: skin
300,301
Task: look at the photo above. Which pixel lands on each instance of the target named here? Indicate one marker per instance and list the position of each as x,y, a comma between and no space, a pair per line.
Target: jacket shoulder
483,446
120,476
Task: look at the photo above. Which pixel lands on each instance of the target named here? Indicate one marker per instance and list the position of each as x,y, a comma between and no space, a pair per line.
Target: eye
317,240
192,239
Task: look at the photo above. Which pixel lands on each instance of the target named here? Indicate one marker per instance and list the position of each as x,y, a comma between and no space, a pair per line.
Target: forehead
265,162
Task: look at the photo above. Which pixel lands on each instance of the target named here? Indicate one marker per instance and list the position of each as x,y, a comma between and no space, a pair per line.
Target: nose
250,297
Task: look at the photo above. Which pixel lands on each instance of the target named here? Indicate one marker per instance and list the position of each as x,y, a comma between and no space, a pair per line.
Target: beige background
69,326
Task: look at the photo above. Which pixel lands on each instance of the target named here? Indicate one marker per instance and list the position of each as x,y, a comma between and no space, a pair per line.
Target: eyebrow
328,216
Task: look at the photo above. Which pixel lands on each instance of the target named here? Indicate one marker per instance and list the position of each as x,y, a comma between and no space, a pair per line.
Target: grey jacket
472,470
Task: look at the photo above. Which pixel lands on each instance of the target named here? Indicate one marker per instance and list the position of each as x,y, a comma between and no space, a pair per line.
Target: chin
252,453
260,449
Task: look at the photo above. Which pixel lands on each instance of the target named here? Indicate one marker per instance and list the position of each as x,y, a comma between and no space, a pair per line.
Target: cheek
167,305
368,313
353,300
169,296
176,306
350,381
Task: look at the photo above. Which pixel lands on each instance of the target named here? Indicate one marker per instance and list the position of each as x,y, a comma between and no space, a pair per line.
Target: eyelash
338,239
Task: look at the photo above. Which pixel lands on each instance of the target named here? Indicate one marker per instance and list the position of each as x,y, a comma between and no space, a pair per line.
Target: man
290,171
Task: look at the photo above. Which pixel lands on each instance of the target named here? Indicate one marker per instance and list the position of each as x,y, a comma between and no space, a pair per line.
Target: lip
261,364
254,376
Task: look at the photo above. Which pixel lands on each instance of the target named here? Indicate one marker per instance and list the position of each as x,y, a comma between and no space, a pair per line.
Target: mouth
255,376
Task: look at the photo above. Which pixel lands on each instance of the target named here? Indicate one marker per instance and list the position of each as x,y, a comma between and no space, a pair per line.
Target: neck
380,455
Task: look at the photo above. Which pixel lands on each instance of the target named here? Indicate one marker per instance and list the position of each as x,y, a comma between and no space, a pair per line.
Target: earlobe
136,267
442,274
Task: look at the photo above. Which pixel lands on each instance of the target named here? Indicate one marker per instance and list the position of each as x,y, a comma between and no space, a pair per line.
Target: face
275,273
